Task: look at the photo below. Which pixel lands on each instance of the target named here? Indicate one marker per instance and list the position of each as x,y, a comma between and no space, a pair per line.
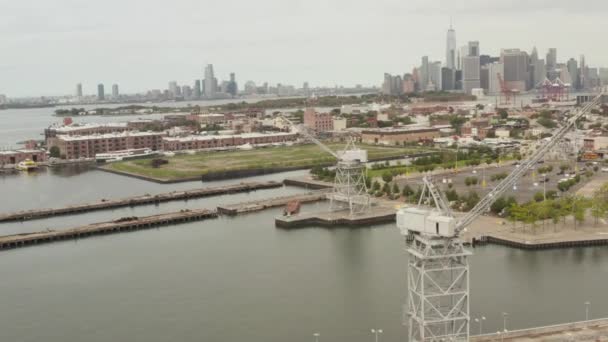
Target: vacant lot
188,166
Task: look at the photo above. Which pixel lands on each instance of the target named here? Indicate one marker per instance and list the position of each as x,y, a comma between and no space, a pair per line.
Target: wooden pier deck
116,226
376,215
138,200
245,207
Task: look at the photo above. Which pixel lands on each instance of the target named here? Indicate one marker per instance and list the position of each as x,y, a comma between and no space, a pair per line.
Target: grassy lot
185,166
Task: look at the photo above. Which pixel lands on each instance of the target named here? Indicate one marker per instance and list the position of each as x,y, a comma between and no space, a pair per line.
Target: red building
201,142
87,146
14,157
320,122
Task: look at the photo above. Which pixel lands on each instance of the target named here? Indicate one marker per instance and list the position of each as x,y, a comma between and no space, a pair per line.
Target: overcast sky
47,46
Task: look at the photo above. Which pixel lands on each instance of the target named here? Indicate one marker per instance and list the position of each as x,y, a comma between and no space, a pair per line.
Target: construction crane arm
441,202
484,204
302,130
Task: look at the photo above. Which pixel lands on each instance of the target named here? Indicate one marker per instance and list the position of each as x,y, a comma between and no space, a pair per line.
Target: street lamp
504,321
316,335
544,186
587,303
376,332
480,321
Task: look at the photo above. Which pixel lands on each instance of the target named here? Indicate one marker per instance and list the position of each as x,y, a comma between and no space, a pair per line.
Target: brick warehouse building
398,136
320,122
87,146
17,156
200,142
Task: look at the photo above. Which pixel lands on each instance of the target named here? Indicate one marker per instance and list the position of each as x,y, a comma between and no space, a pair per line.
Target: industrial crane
350,190
438,269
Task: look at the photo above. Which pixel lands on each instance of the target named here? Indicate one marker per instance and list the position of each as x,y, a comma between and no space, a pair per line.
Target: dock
376,215
592,330
115,226
245,207
308,183
139,200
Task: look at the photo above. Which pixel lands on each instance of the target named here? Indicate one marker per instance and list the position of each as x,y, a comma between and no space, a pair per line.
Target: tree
375,186
407,191
539,196
498,205
451,195
387,177
503,113
386,189
55,152
396,189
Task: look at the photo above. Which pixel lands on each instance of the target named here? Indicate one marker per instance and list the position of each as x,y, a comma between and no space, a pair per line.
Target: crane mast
438,269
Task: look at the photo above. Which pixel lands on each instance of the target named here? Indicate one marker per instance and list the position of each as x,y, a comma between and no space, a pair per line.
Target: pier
245,207
139,200
115,226
592,330
376,215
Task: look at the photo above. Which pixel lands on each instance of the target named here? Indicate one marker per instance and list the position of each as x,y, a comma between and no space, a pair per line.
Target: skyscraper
232,87
424,73
173,88
209,83
450,53
540,72
474,49
100,92
582,74
572,66
516,68
494,69
197,89
551,59
471,77
115,91
79,90
435,76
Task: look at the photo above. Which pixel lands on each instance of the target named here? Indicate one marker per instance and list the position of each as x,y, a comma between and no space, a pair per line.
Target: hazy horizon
50,47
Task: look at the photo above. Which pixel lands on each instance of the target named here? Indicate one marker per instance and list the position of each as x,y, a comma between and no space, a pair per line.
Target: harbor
590,330
139,200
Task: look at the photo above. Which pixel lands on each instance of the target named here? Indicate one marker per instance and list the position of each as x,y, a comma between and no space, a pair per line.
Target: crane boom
309,136
484,204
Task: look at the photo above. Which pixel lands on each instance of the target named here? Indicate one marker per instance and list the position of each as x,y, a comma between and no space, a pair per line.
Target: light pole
316,335
480,321
376,332
587,303
504,321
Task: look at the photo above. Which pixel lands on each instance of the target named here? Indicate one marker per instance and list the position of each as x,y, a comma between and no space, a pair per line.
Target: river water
241,279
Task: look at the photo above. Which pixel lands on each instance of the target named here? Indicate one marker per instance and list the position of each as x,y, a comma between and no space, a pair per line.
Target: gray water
241,279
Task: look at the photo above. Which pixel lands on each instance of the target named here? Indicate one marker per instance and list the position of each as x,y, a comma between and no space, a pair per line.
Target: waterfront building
85,129
540,72
87,146
201,142
79,90
397,136
186,91
17,156
319,122
100,92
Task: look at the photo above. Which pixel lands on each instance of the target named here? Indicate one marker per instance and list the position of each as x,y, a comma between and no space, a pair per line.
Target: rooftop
232,136
108,135
77,127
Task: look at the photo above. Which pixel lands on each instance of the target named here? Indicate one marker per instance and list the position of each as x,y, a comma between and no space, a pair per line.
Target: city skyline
95,44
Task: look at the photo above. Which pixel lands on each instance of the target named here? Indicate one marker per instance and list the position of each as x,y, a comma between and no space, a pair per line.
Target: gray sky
47,46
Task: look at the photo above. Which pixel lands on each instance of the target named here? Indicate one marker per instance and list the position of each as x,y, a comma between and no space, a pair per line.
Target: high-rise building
448,81
3,99
516,68
173,88
540,72
424,73
473,48
435,76
462,53
532,60
471,78
450,53
582,74
197,89
186,91
233,88
79,90
100,92
551,59
115,90
603,74
494,70
572,66
210,82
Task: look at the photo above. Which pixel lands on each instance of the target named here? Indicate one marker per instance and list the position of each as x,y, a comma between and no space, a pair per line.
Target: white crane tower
349,191
438,269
